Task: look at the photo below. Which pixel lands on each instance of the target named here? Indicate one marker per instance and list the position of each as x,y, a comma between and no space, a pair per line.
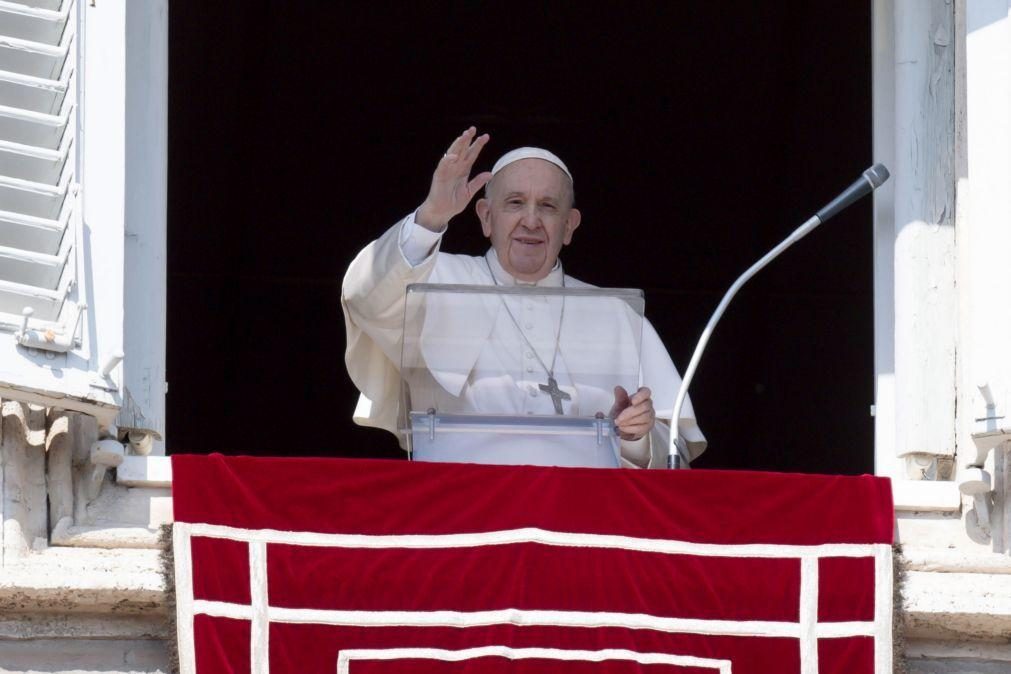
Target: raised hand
452,187
634,416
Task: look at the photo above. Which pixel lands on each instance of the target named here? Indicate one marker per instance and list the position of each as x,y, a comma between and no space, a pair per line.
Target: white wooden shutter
39,196
49,352
83,147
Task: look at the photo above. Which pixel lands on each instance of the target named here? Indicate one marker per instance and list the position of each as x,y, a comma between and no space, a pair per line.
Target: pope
528,214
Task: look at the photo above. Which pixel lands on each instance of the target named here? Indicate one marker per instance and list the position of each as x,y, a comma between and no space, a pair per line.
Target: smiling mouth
528,241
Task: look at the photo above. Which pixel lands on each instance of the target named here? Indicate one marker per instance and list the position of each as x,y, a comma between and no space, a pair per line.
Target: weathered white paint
924,268
988,91
914,89
926,496
144,294
985,239
103,172
145,471
883,103
968,394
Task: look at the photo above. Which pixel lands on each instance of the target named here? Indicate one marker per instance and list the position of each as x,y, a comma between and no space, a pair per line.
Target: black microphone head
876,175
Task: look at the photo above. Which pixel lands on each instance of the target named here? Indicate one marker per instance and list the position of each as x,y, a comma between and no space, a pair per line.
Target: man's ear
483,208
570,225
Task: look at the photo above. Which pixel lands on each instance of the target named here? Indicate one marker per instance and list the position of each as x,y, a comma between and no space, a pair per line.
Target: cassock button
533,393
530,369
530,354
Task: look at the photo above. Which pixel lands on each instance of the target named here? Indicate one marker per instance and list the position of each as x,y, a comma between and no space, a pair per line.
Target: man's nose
531,217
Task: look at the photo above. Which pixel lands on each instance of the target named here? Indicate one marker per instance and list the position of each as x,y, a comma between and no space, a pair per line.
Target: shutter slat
37,164
32,93
33,23
32,58
37,235
36,199
32,128
53,5
15,297
33,269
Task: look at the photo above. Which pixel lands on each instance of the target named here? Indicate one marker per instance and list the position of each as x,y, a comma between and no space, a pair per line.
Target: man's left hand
633,415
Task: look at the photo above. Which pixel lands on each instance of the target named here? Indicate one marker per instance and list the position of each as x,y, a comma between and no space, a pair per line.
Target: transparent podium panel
517,375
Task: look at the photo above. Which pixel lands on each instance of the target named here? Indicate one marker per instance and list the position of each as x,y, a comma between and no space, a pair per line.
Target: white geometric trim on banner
345,658
531,535
807,630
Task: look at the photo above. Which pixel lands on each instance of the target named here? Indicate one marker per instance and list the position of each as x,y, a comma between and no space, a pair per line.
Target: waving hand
452,187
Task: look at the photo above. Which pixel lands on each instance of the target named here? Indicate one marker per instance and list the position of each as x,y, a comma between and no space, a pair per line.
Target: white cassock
373,300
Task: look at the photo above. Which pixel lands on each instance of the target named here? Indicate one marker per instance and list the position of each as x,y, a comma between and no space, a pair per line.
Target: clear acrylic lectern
517,375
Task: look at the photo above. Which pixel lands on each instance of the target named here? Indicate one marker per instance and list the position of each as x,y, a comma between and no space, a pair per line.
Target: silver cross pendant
557,394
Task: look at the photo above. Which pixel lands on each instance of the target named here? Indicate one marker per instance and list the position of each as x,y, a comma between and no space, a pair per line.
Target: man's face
528,216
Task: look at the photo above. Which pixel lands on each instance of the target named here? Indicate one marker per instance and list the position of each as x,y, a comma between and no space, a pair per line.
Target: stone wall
81,587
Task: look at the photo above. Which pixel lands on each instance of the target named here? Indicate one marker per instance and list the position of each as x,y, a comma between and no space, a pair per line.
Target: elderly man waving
528,214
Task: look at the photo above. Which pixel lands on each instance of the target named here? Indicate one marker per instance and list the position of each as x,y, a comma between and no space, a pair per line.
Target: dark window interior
700,134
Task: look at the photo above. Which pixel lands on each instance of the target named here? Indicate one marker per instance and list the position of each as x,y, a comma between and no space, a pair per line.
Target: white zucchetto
530,153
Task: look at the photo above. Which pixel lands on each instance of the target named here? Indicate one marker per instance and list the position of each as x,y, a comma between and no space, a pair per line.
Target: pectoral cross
557,394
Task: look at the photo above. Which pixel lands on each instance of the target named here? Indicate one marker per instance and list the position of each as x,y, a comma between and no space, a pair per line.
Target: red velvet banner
372,567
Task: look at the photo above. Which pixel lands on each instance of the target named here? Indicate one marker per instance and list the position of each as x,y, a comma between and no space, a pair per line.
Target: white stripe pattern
532,535
539,618
184,598
259,630
883,589
807,630
808,615
345,658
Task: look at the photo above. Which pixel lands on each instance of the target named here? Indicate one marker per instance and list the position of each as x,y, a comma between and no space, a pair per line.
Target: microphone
868,181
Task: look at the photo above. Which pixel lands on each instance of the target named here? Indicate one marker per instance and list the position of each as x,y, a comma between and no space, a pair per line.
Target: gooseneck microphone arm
870,180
